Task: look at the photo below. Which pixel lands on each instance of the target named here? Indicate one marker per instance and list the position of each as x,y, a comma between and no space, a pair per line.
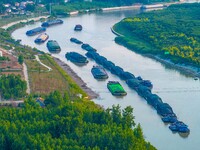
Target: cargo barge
99,72
76,58
41,38
51,23
35,31
53,46
116,88
76,41
88,48
78,27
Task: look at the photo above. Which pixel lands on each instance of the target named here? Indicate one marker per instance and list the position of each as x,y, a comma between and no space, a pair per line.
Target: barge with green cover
116,88
53,46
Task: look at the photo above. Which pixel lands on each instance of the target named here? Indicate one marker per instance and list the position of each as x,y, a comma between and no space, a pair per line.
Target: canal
181,92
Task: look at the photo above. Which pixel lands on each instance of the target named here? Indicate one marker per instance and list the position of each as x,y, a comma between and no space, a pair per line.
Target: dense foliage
12,86
71,125
173,33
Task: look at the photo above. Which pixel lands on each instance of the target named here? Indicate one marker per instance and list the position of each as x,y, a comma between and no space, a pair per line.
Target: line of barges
143,88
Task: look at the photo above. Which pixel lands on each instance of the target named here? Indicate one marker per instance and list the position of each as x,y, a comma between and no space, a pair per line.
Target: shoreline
76,78
184,69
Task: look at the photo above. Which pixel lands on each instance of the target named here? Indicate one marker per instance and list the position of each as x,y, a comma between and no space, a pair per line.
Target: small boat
41,38
116,88
76,58
76,41
53,46
35,31
99,72
78,27
51,23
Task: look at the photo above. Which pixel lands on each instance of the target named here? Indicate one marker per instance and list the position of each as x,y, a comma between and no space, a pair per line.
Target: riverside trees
165,33
76,124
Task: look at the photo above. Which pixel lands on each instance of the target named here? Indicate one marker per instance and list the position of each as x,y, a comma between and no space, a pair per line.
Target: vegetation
43,81
12,86
71,125
3,58
164,33
20,59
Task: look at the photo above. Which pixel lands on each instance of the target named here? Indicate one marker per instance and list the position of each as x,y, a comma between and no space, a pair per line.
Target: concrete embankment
76,78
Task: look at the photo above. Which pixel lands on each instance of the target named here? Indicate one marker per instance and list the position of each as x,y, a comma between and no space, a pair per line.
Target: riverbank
76,78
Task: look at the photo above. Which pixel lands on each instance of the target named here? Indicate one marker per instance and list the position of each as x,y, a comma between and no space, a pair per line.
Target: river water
181,92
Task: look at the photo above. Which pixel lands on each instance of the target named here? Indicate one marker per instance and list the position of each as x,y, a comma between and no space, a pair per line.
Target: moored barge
76,41
53,46
76,58
99,72
51,23
78,27
35,31
41,38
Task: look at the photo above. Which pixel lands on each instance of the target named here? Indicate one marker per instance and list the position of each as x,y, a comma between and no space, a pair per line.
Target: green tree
20,59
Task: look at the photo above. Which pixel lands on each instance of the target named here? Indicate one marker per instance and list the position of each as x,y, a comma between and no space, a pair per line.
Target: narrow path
26,78
37,58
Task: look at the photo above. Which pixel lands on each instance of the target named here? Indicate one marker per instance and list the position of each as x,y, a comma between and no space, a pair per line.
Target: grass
44,82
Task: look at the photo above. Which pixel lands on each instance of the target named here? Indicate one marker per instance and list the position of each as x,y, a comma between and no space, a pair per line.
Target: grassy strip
73,87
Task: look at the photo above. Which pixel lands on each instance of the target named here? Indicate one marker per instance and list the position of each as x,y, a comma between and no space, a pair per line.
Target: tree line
11,86
172,33
67,124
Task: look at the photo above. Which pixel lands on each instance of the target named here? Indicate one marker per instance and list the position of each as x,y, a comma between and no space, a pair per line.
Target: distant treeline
172,33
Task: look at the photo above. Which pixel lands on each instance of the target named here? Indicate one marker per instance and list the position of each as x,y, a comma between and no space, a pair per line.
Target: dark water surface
181,92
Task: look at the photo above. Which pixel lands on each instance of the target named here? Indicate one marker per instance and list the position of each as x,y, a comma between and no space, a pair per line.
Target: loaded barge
116,88
41,38
53,46
35,31
78,27
99,72
76,41
76,58
51,23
